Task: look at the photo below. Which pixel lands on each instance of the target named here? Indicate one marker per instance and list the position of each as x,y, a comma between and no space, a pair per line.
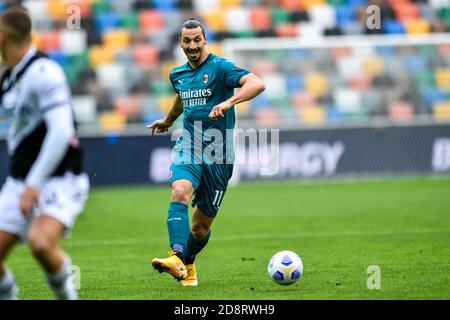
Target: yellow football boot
191,280
172,265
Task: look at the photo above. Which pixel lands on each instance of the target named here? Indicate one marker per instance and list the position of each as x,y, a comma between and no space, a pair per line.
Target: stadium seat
152,116
106,21
345,14
434,95
150,21
439,4
294,83
401,111
393,27
316,83
311,3
73,41
360,83
117,39
347,100
349,66
405,11
441,111
129,21
85,109
61,58
303,99
313,115
145,55
100,7
215,48
333,114
165,102
417,26
111,77
215,20
165,5
56,9
286,30
147,103
267,117
424,80
415,64
99,55
237,19
49,41
127,106
280,16
324,15
36,9
340,52
112,121
224,4
260,18
373,66
291,5
260,102
352,28
310,29
277,84
442,76
242,109
203,6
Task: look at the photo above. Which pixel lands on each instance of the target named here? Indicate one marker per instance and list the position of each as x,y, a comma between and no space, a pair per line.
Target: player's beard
194,57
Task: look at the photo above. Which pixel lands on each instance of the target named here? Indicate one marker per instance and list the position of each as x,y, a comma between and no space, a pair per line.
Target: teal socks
178,225
194,246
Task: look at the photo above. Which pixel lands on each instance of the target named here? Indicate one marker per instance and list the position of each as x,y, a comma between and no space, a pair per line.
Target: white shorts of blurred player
62,198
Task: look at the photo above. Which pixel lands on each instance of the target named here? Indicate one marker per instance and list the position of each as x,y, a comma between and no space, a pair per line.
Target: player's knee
40,245
180,194
199,231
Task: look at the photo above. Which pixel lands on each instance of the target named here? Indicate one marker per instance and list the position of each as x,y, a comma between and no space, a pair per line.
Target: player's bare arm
163,125
251,86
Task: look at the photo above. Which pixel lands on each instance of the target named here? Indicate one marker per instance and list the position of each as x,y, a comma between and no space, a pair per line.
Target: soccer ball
285,267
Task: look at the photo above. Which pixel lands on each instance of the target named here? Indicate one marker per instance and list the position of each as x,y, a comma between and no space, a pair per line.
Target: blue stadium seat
433,95
385,50
152,116
164,5
2,6
393,27
260,102
345,14
357,3
60,58
416,63
294,83
334,114
105,21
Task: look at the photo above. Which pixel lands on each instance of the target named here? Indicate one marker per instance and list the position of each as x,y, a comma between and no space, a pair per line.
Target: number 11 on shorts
218,198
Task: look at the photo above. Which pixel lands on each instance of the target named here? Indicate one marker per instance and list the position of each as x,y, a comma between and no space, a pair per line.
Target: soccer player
46,187
205,95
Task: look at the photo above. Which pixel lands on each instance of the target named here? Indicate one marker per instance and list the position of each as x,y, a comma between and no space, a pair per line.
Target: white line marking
306,234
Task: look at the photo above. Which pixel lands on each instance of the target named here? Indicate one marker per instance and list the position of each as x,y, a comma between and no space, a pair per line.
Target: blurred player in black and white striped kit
46,188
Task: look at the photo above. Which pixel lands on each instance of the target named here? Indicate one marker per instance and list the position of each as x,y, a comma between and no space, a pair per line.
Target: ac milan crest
205,78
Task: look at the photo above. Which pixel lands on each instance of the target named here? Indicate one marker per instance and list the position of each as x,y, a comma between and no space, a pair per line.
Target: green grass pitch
339,228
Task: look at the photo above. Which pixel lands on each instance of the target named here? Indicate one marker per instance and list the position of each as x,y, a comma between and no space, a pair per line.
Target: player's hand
160,126
29,200
219,110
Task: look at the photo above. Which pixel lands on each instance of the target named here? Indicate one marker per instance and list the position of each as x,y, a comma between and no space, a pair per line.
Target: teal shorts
210,182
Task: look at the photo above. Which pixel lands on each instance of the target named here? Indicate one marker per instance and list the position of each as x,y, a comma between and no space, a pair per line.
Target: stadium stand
118,61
